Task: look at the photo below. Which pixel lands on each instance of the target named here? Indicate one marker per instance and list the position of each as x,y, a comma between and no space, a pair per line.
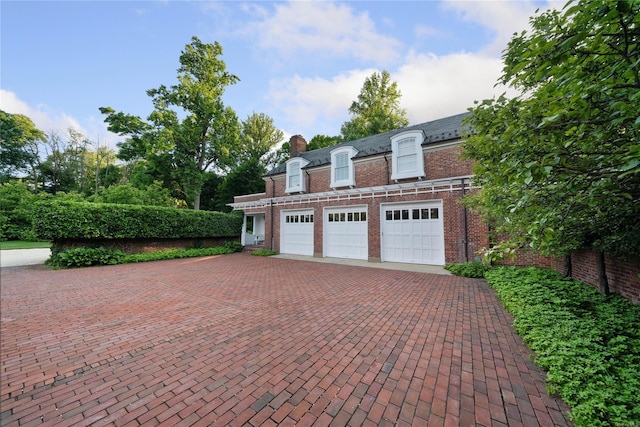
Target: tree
19,140
321,141
256,152
258,138
244,179
377,109
559,165
68,166
152,195
205,138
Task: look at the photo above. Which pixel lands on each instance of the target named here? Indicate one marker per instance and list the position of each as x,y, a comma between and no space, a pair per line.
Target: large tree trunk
603,282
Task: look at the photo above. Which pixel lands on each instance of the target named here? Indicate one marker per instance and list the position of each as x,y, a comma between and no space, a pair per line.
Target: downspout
308,189
386,166
273,193
465,227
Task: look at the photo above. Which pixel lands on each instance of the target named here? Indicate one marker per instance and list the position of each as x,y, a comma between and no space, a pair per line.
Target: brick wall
622,274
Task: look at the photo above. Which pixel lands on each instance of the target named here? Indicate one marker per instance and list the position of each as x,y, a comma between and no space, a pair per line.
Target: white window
295,180
342,172
408,160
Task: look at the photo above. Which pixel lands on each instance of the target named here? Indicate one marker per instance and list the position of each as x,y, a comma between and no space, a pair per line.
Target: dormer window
295,181
342,173
407,157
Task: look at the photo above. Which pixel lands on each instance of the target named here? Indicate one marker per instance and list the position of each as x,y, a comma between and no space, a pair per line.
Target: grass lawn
21,244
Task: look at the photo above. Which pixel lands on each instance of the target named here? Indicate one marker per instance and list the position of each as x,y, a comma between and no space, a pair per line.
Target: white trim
404,189
350,181
300,187
417,138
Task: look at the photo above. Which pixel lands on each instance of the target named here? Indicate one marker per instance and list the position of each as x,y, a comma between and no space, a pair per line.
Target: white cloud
433,87
48,120
42,116
424,31
317,103
503,17
321,28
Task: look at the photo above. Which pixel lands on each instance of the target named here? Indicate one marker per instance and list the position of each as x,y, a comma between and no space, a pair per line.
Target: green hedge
76,220
588,343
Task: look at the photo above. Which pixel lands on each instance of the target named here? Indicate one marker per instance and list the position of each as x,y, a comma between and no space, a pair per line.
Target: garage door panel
413,233
346,233
296,232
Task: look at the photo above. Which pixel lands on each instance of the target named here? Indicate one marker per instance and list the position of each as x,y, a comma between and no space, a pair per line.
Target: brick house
392,197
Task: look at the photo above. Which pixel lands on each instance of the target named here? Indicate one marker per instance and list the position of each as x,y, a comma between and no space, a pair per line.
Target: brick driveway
241,340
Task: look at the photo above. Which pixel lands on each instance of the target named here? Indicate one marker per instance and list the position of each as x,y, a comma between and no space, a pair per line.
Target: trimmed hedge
56,220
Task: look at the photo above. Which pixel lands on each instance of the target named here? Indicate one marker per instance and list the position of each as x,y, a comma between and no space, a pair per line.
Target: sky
302,63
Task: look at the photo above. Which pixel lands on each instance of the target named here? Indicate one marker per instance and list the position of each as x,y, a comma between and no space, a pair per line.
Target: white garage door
346,233
296,232
413,233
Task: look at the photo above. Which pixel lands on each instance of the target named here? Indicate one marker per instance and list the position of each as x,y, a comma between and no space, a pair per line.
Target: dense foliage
190,130
559,165
376,110
68,220
19,140
16,215
587,342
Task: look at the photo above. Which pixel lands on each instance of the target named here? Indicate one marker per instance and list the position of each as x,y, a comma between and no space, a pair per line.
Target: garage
296,232
346,233
413,233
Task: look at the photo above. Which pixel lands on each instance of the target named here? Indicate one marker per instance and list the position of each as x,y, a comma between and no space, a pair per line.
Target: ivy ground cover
588,343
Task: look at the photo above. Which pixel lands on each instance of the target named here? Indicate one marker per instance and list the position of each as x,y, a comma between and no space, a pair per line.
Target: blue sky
301,62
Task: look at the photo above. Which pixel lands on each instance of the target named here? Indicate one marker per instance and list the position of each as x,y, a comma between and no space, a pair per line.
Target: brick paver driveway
241,340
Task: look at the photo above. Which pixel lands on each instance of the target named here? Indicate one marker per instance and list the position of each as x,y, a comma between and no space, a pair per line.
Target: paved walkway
242,340
16,257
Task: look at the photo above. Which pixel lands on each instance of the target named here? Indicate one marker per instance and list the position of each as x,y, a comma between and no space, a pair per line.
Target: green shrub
70,220
153,195
86,257
17,211
233,246
468,269
588,343
264,252
176,253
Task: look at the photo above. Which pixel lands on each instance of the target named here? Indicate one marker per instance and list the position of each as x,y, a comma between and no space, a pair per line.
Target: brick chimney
297,145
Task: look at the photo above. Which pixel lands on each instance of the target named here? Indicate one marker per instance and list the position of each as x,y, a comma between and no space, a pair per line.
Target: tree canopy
559,165
207,135
19,139
376,110
258,139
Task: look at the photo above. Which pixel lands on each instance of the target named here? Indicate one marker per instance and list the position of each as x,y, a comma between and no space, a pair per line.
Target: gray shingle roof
444,129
